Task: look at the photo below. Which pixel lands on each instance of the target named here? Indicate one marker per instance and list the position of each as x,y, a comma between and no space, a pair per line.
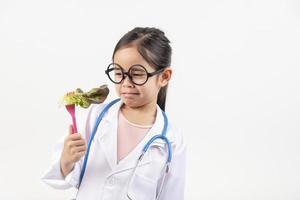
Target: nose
127,82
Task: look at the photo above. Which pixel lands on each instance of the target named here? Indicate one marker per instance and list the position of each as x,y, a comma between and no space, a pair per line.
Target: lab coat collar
108,139
112,117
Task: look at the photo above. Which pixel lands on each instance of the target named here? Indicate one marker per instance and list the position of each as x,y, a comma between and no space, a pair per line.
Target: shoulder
86,118
93,111
176,137
96,109
89,113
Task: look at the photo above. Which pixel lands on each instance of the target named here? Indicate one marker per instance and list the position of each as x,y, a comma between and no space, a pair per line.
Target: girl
110,166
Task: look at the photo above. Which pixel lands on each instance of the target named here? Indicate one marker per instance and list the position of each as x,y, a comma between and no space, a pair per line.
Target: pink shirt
129,136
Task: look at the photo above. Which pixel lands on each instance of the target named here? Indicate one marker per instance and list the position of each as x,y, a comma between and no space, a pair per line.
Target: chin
130,102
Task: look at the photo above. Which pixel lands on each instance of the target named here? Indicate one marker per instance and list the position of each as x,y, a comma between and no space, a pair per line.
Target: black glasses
137,74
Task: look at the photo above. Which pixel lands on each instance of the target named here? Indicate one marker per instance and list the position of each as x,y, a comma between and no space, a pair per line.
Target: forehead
128,56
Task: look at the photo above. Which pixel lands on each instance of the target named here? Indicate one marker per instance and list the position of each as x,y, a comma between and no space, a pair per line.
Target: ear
165,76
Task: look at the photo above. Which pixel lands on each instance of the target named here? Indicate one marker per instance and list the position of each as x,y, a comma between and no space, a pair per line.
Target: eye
138,74
118,72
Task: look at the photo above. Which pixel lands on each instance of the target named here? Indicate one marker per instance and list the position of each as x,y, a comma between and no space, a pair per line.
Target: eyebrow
137,69
136,64
130,65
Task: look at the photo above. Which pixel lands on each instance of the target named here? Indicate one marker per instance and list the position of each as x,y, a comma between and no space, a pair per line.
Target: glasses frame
124,74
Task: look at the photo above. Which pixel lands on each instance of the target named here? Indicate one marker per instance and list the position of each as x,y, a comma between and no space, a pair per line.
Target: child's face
134,95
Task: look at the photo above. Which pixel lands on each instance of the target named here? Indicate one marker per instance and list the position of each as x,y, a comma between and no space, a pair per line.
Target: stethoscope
161,136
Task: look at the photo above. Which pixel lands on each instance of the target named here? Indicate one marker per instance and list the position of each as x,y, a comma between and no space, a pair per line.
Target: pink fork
71,109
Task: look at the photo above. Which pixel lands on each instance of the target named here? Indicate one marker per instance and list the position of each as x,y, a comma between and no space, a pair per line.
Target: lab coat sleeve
175,180
53,176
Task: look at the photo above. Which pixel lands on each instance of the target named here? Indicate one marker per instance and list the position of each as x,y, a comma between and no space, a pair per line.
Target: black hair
154,47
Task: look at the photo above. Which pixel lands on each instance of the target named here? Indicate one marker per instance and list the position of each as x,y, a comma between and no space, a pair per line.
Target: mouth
129,94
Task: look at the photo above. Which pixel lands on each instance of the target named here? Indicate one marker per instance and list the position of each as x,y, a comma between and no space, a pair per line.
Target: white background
235,89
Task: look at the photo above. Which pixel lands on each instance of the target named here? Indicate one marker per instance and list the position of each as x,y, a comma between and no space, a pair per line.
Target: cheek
117,88
151,89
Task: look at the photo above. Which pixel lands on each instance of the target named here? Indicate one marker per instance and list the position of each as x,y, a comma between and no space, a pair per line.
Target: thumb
71,130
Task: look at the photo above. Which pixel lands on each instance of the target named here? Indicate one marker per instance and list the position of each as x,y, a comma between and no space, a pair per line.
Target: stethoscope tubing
161,136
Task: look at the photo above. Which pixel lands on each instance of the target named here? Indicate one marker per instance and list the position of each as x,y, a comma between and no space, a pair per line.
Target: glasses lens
115,73
138,74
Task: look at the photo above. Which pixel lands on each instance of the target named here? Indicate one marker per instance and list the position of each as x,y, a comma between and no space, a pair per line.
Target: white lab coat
106,179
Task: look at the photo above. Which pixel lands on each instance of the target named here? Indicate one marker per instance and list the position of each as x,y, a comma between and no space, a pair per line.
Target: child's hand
74,149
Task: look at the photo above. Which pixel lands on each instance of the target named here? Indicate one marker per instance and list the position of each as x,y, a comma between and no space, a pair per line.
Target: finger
82,153
70,130
73,140
75,136
78,143
80,149
79,155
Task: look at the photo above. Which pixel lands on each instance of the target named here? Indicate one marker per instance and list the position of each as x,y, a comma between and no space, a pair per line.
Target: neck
143,115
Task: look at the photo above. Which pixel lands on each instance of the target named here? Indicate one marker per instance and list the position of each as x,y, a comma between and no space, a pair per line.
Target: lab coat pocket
141,188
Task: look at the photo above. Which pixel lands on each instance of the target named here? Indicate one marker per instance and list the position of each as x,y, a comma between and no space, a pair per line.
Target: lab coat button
112,181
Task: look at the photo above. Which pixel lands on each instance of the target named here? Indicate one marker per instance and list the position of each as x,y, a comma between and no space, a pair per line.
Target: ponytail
162,97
